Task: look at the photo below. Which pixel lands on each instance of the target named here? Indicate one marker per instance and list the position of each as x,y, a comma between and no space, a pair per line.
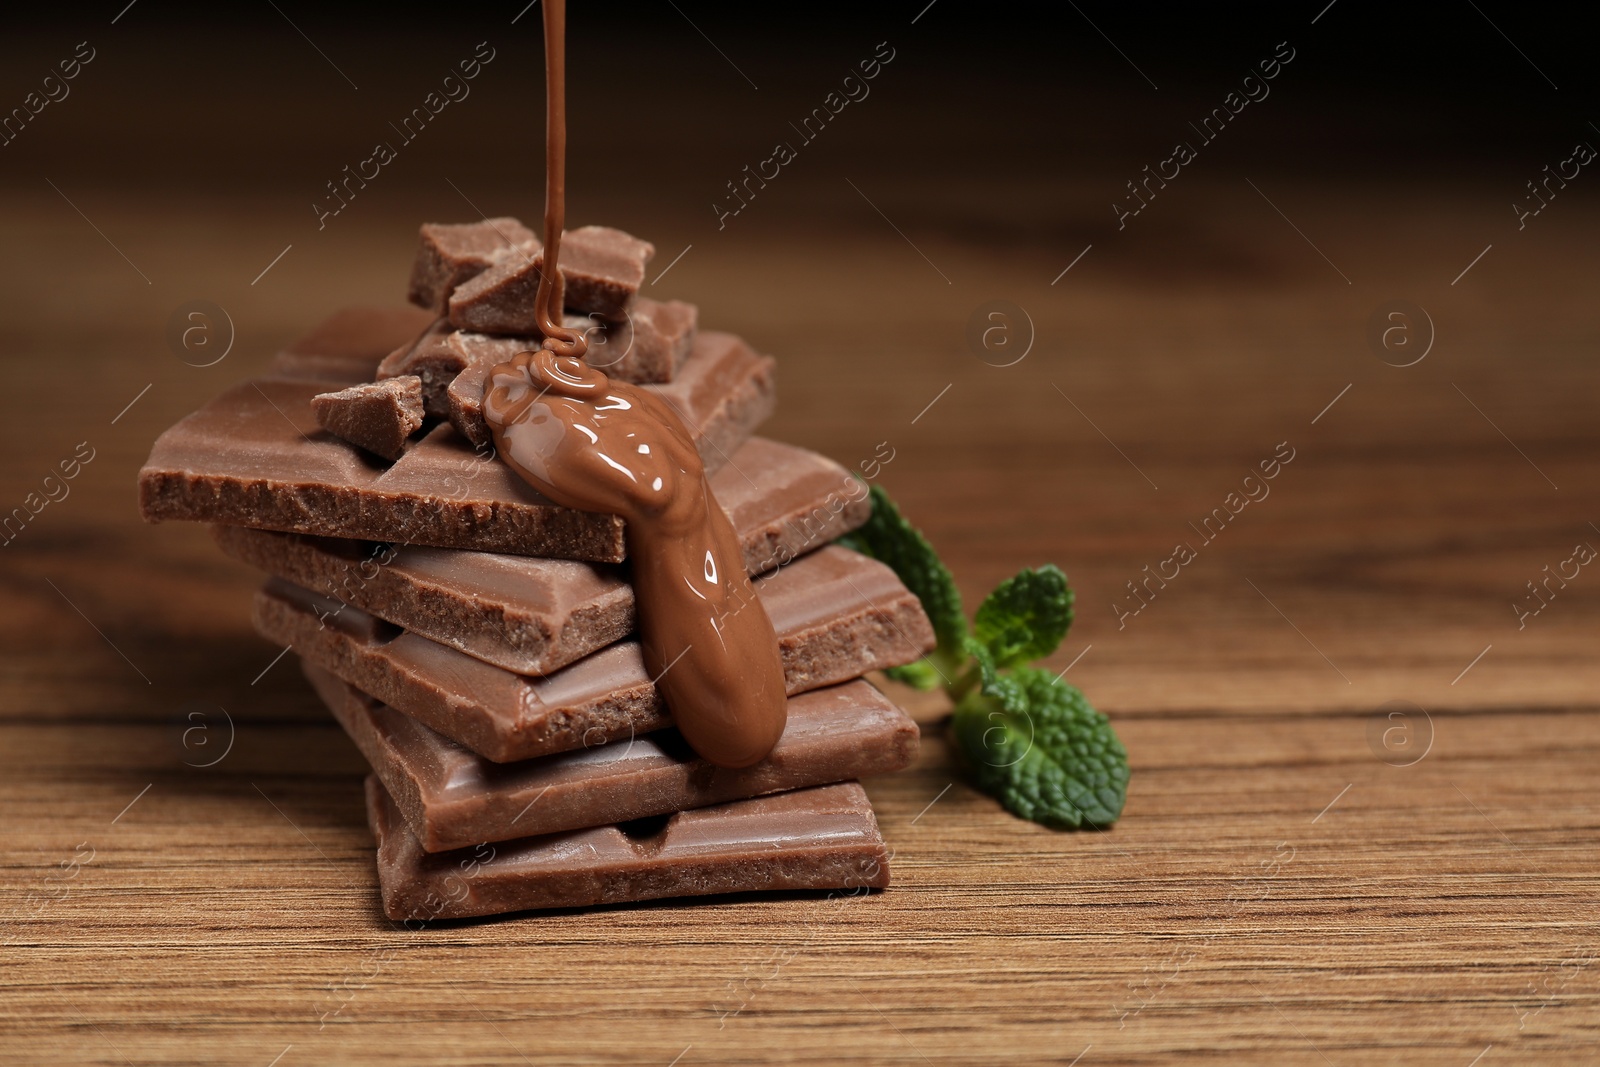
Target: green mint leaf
1034,742
983,672
889,538
921,675
1026,616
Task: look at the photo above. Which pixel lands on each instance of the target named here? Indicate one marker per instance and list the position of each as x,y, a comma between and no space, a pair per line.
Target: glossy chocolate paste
593,444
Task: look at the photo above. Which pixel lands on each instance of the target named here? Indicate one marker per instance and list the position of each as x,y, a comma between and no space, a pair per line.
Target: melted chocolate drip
547,305
590,443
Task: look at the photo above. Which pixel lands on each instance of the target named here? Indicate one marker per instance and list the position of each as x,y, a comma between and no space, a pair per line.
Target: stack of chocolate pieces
475,639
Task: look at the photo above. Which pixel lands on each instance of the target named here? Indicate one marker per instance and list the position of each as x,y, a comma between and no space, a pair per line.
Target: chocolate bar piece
534,615
702,394
255,456
442,353
377,416
649,346
825,636
820,838
453,254
479,354
346,346
602,268
431,358
787,501
525,614
452,797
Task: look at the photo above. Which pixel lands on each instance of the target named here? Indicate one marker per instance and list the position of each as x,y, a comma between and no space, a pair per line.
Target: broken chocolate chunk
602,269
377,416
431,357
453,254
702,393
650,345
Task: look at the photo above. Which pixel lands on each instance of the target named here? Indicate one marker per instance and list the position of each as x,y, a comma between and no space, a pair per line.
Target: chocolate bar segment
453,254
377,416
464,397
347,346
824,638
431,358
255,456
723,384
452,798
821,838
786,501
533,615
649,346
602,269
525,614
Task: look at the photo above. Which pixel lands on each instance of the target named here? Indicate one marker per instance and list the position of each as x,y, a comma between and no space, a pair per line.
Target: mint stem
966,683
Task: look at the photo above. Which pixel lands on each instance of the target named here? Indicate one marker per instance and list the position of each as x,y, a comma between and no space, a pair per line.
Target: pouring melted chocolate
591,443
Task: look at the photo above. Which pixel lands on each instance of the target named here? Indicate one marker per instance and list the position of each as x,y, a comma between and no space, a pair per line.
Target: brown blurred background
1233,313
987,157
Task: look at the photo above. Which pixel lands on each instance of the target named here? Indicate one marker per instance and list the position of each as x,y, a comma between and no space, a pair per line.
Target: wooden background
1284,887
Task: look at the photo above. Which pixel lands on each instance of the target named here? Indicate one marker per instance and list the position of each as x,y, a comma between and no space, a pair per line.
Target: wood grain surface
1362,820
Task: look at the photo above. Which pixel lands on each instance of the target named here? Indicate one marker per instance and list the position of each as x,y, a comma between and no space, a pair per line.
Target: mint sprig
1030,739
888,537
1025,617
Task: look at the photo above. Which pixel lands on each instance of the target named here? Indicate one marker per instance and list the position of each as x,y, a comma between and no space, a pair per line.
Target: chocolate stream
593,444
547,304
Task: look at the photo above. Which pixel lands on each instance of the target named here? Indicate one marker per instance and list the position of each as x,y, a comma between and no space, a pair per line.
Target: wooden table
1362,822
